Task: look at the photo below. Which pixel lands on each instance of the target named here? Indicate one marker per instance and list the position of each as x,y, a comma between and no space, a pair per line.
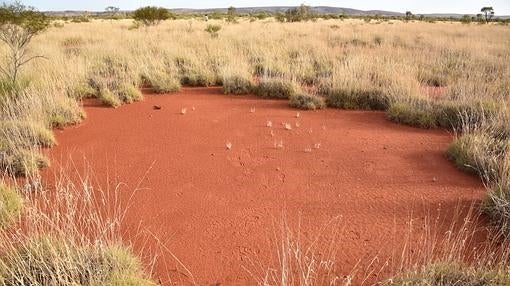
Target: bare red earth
216,209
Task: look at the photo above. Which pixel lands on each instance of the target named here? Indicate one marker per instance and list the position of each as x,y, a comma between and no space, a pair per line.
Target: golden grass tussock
70,235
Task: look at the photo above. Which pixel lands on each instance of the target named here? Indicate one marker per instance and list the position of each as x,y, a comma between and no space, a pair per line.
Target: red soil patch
215,209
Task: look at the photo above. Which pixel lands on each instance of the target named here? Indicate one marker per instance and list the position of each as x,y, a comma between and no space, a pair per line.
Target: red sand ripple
215,209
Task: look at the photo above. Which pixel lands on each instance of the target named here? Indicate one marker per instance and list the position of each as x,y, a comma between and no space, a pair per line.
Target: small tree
479,17
298,14
18,25
488,13
112,11
231,14
151,16
409,15
466,19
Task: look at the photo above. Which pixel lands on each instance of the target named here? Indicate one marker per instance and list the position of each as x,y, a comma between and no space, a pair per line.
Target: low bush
10,205
237,85
450,274
277,88
357,99
213,30
49,261
307,101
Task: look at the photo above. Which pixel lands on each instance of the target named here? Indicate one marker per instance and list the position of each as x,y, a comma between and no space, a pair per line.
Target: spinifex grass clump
277,88
34,134
21,162
358,99
197,73
162,81
114,81
10,205
307,101
71,236
49,261
236,84
426,113
450,274
484,148
414,112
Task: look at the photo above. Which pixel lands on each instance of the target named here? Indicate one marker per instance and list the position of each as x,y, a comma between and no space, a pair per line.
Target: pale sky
501,7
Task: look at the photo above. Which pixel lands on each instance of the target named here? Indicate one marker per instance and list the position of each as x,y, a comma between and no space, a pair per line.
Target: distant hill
275,9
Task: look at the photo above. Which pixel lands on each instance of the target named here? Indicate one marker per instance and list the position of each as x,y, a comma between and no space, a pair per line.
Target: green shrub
357,99
30,134
108,98
306,101
409,114
237,85
50,261
151,15
277,88
450,274
11,204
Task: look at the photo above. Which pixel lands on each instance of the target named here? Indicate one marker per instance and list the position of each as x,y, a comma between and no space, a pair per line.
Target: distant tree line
153,15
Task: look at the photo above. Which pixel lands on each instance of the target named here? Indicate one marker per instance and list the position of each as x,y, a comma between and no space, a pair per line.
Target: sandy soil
217,210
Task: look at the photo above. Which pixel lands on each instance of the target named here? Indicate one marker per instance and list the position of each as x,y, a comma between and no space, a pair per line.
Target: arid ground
219,210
